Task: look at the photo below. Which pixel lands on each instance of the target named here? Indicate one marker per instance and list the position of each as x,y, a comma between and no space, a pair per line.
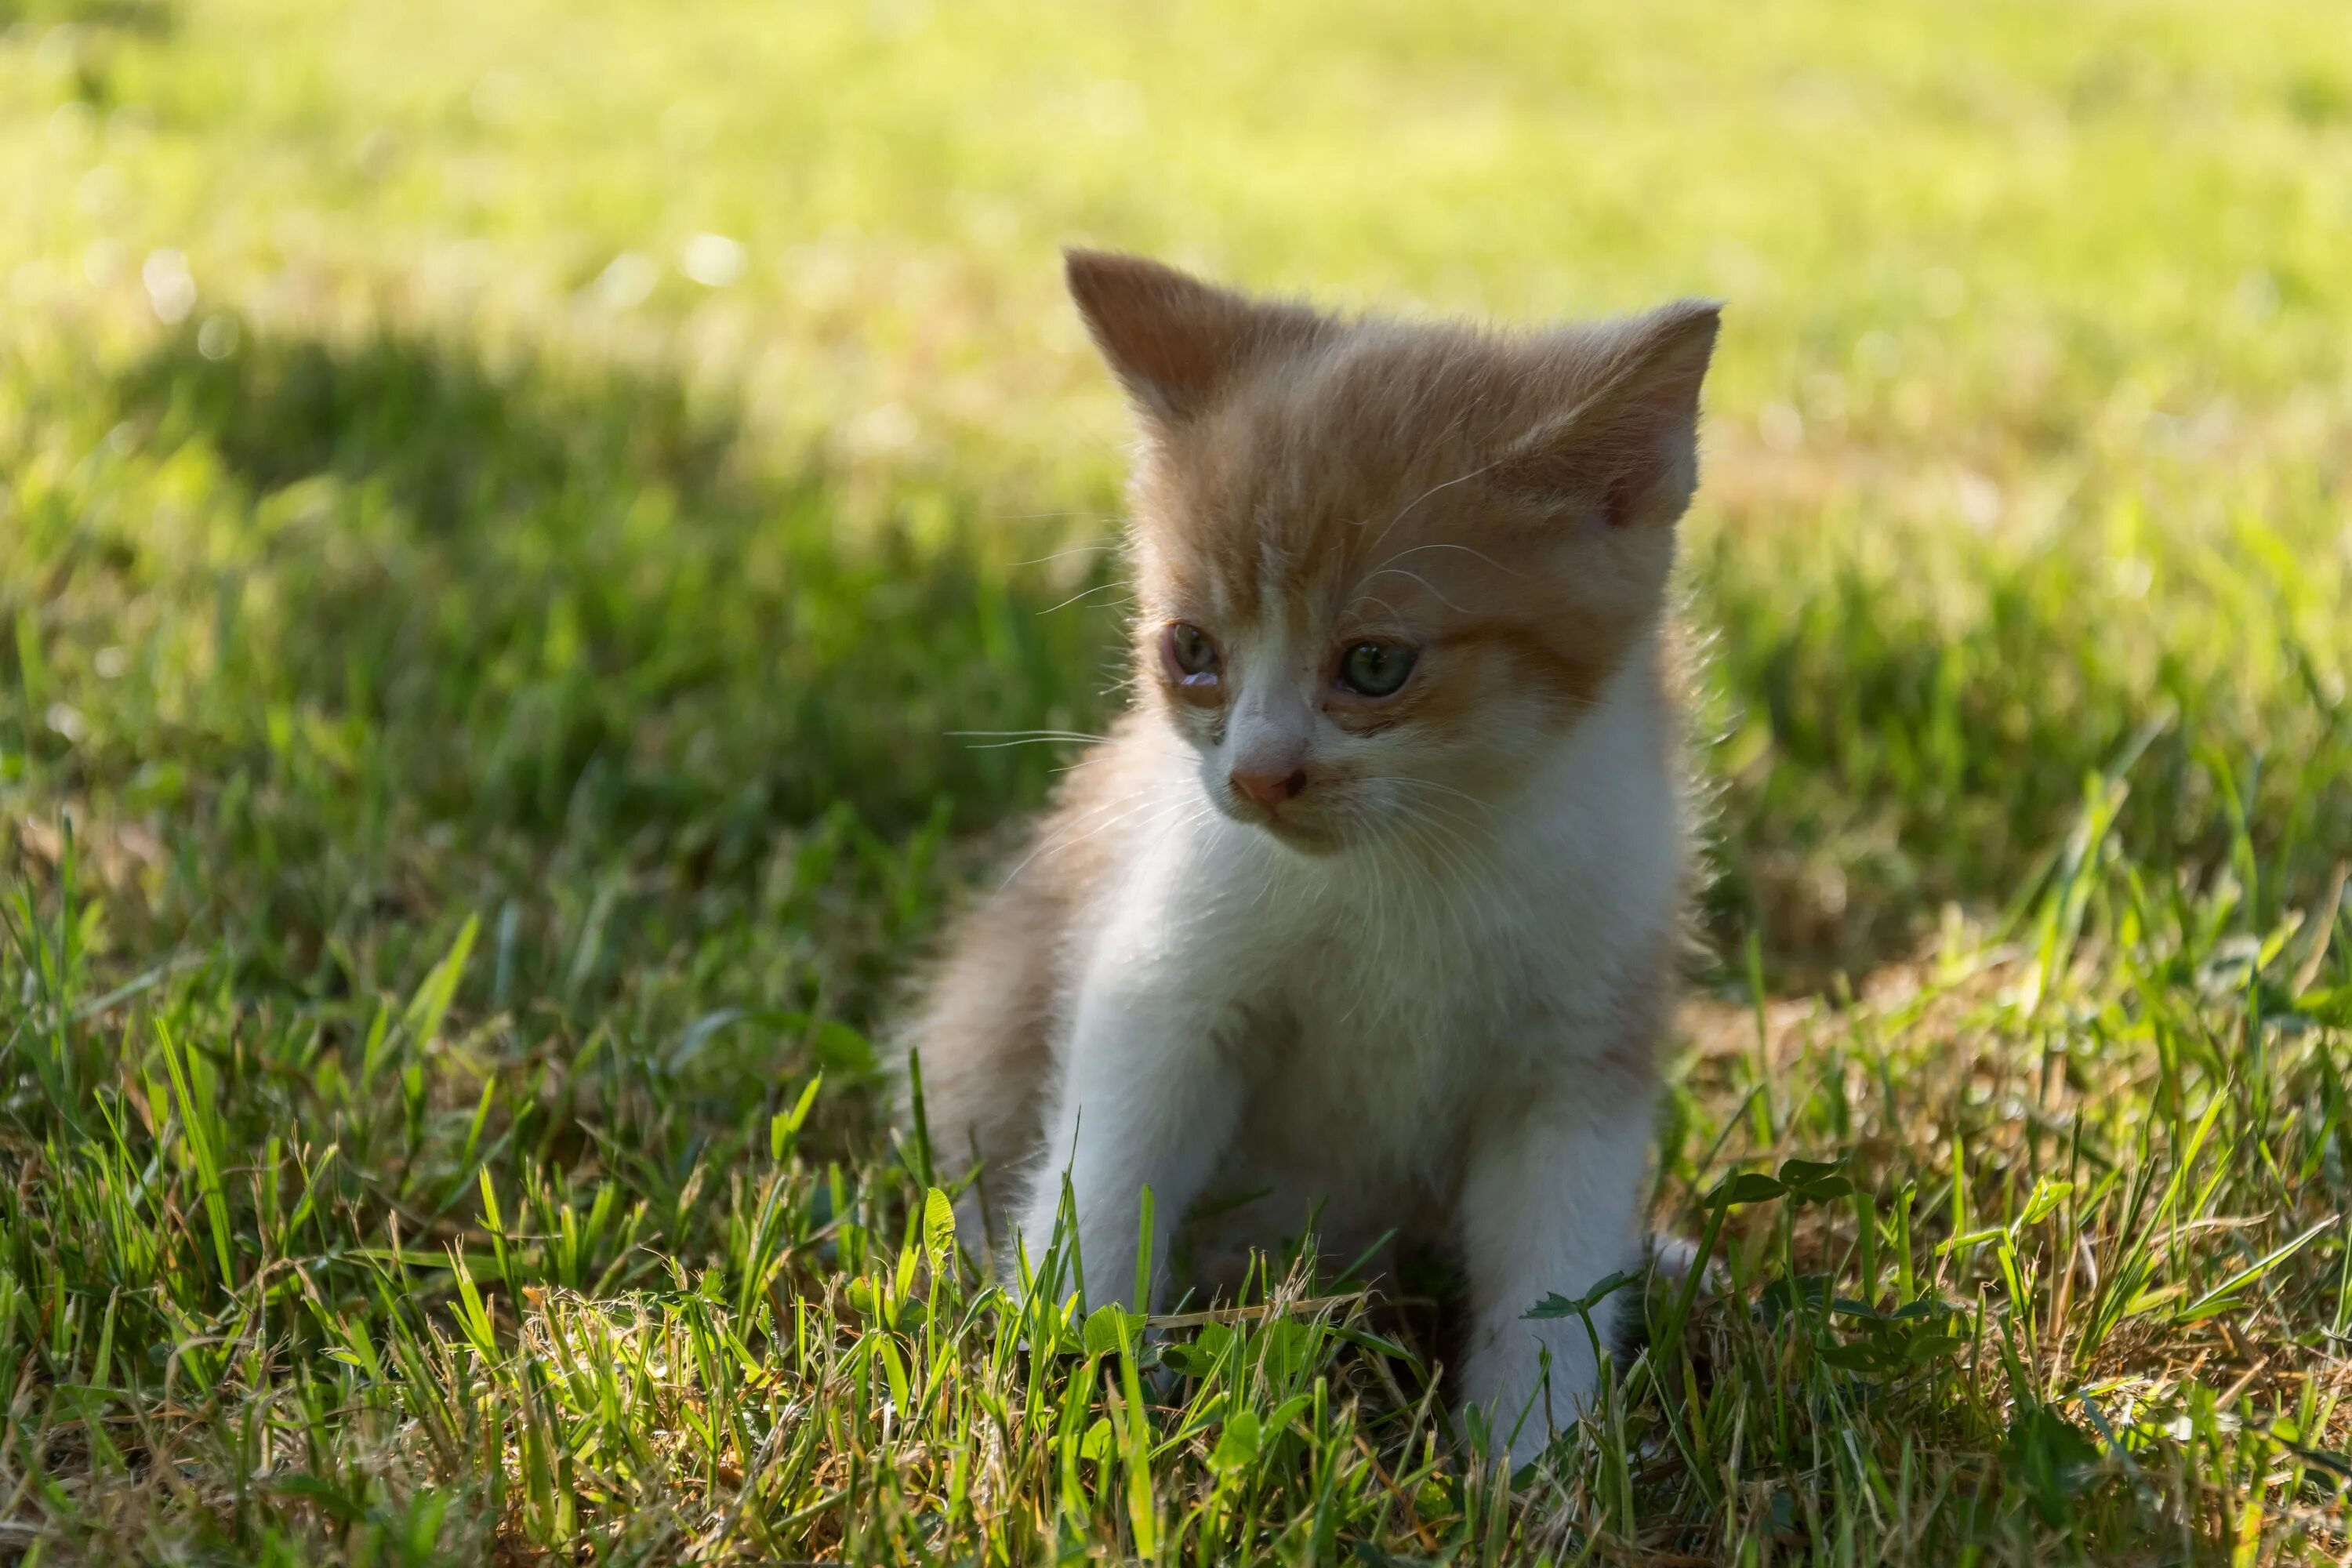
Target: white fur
1412,1031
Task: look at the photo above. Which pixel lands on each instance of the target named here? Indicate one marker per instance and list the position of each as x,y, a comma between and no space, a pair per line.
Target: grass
505,509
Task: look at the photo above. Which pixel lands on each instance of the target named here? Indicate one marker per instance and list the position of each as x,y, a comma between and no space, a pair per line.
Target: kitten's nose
1269,789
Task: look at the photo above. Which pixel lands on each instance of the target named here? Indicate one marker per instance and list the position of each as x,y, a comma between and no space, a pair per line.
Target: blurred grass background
577,469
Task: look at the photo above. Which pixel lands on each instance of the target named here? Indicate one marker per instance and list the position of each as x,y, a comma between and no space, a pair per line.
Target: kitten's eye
1192,658
1376,669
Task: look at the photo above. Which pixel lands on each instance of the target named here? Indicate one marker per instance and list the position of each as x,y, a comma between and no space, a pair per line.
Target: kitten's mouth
1295,831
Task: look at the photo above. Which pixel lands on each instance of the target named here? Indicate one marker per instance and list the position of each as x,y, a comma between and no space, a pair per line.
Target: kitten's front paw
1673,1259
1109,1268
1519,1398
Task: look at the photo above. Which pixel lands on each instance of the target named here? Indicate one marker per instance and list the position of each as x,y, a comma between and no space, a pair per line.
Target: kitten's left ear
1175,342
1627,450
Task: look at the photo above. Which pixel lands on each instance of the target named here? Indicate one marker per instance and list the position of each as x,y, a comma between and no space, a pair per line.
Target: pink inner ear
1625,497
1629,448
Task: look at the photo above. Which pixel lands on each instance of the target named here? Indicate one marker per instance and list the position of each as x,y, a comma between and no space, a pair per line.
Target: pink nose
1269,789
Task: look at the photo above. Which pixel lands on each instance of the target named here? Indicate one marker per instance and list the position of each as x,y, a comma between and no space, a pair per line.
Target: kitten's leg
1549,1205
1147,1099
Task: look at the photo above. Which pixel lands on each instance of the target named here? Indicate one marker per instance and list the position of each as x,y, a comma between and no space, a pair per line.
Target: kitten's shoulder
1085,828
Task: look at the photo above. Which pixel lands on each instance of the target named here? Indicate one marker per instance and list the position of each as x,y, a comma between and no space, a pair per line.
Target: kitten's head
1383,566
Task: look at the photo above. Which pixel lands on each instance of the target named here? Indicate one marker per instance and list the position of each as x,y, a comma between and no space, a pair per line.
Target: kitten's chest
1413,998
1398,1011
1370,1080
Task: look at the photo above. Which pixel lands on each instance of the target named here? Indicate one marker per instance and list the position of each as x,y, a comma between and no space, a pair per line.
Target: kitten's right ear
1174,342
1627,451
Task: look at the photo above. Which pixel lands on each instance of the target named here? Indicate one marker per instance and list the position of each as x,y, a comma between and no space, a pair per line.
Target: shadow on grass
452,442
1886,759
552,589
400,631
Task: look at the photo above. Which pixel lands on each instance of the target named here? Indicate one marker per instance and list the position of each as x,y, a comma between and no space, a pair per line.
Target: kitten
1371,906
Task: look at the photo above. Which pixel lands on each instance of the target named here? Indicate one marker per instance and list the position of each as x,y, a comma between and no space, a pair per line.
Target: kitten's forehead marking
1278,599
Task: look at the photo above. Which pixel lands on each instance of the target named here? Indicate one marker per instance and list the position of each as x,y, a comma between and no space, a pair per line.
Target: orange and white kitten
1371,906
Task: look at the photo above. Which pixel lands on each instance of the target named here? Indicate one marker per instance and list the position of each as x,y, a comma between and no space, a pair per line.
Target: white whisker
1442,485
1089,593
1400,572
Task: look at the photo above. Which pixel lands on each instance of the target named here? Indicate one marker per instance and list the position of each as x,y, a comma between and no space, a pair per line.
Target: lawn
511,514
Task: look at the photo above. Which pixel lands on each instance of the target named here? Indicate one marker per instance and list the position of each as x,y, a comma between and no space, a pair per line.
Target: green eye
1376,669
1191,657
